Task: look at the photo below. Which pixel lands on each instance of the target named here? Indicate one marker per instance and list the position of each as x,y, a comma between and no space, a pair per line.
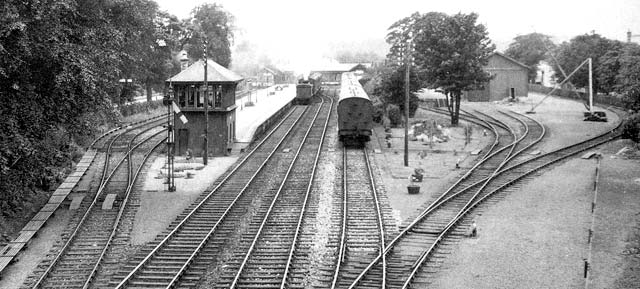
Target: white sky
293,29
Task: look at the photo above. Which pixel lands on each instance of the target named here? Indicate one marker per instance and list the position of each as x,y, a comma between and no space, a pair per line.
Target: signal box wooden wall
188,88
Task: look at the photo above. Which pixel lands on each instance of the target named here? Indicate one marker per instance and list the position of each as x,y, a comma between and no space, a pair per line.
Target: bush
631,128
134,108
395,116
378,112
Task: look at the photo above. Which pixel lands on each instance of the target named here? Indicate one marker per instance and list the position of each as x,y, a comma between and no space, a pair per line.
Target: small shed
509,79
188,87
270,76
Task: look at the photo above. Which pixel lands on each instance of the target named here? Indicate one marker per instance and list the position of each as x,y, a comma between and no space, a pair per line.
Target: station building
332,74
510,79
188,88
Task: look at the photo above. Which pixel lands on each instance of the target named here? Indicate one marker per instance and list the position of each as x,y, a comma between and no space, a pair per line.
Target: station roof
215,73
339,67
273,70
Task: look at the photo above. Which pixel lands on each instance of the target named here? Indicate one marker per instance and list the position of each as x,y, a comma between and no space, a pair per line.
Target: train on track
355,112
306,89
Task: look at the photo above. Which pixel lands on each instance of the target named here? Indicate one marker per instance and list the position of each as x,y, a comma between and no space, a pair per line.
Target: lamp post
205,155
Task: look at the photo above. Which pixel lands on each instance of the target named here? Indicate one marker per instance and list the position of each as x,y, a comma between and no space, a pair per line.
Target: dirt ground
536,237
159,207
438,164
616,241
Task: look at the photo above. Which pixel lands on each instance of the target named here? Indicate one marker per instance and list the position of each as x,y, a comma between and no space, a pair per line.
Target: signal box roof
215,73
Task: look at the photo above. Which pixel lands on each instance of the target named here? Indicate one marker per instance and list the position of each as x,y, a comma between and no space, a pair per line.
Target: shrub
378,112
395,116
631,128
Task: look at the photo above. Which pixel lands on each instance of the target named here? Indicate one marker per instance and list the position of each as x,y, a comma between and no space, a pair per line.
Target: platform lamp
168,101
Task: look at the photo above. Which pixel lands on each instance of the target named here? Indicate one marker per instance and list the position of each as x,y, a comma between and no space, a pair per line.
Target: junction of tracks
298,210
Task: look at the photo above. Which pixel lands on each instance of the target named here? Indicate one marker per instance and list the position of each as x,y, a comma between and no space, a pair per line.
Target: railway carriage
355,112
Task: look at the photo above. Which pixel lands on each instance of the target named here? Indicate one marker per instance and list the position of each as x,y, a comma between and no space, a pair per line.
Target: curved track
79,257
423,266
406,249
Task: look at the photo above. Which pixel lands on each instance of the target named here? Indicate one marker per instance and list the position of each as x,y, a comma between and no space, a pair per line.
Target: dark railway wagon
355,112
306,89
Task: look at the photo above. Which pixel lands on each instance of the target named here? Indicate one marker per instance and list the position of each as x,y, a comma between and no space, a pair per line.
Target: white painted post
590,88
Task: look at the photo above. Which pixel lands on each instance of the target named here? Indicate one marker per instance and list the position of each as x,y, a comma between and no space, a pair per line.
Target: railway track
426,260
362,236
421,234
267,262
195,242
79,257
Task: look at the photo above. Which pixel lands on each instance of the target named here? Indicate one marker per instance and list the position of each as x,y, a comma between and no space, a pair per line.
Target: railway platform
253,120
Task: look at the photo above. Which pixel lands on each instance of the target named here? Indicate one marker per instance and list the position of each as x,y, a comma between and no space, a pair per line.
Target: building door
512,92
183,141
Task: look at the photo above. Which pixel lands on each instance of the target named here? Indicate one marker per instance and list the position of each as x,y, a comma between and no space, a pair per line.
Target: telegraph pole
205,155
406,102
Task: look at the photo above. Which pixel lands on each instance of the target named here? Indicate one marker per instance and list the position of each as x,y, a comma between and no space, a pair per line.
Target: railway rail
418,236
275,242
420,269
362,236
186,252
76,262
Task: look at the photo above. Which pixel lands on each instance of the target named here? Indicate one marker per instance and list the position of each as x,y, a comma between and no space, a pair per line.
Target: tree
451,52
530,49
391,88
578,49
399,35
607,70
59,64
212,23
627,78
144,53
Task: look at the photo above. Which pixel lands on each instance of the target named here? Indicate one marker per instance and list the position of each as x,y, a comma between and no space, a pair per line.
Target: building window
182,97
218,99
210,95
191,95
200,96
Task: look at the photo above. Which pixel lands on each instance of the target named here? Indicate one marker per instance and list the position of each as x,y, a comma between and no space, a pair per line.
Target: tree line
59,69
447,53
616,64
